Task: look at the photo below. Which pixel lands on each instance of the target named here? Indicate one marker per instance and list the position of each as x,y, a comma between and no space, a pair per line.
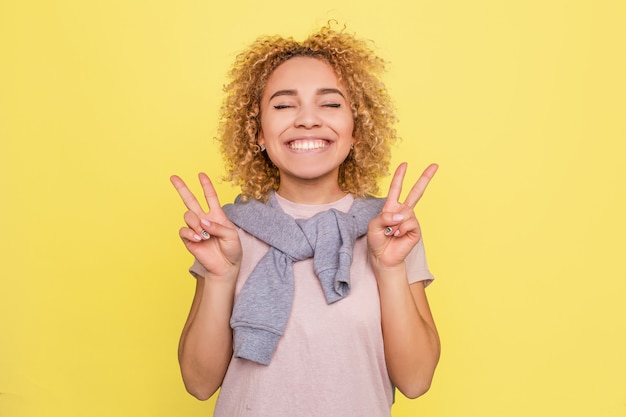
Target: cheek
348,118
349,128
271,126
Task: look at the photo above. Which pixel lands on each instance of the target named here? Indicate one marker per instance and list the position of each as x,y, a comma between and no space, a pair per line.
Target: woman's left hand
395,231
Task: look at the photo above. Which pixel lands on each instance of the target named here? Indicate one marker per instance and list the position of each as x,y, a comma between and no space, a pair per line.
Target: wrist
227,278
388,274
380,267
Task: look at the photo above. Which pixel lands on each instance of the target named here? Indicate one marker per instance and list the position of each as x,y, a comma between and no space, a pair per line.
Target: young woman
310,293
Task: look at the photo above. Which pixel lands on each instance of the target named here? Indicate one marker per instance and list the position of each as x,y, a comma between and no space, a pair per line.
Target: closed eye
281,106
333,105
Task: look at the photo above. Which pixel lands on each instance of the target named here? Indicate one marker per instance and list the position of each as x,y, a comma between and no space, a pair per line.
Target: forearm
410,337
205,346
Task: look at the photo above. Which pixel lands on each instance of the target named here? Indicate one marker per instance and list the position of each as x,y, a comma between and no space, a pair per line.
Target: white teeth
307,145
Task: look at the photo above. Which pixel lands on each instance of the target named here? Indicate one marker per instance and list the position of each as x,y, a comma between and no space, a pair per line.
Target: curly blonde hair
355,65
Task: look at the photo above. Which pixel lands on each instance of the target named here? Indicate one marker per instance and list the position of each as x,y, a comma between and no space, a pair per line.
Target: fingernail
197,237
397,217
388,231
205,235
205,222
397,233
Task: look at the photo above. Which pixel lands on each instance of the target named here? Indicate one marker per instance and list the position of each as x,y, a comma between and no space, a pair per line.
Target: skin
312,107
205,346
304,105
410,337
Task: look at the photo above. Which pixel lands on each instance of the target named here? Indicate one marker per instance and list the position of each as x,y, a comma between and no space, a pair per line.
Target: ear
260,140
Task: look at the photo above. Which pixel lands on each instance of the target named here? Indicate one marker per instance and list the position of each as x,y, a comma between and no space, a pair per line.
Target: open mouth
307,144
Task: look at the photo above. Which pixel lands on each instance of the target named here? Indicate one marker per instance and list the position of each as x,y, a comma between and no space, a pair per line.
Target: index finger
188,198
420,186
395,188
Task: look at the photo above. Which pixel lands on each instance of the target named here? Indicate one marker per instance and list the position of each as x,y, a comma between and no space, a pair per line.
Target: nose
308,117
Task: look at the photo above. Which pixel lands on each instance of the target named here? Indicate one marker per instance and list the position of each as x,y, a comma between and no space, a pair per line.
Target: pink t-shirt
330,360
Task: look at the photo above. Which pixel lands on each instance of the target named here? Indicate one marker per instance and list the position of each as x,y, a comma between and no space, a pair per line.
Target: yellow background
521,103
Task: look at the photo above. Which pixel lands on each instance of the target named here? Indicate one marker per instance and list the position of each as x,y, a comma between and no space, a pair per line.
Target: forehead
300,72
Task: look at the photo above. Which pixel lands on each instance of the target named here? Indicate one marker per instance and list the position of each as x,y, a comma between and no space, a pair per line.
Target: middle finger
395,188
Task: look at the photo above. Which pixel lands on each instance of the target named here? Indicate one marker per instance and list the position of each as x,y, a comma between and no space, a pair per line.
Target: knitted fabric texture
263,305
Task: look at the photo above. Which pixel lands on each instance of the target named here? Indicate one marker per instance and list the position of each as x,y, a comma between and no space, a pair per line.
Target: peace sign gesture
210,237
395,231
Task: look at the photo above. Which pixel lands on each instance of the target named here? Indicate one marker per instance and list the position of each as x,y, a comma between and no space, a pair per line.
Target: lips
307,144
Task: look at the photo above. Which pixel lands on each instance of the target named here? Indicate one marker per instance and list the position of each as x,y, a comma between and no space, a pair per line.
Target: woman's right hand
210,237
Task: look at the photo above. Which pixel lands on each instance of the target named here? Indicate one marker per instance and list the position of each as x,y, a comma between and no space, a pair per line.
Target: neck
311,192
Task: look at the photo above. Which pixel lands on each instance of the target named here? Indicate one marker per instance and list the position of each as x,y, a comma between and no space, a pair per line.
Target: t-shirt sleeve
416,265
197,270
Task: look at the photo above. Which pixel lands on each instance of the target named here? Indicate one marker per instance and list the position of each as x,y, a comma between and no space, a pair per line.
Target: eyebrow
319,92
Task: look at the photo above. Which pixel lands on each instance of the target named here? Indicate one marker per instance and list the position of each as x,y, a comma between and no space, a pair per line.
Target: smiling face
306,124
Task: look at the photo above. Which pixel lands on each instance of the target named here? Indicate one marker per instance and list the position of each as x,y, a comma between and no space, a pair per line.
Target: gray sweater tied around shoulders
264,303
